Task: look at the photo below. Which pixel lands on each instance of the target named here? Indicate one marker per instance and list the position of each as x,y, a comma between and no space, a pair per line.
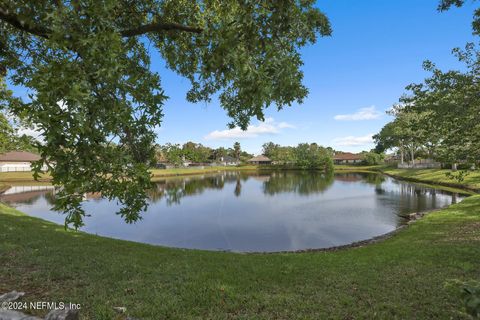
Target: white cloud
33,132
351,141
369,113
269,126
285,125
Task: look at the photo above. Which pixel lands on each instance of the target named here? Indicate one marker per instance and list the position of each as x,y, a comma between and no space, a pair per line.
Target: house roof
19,156
347,156
260,158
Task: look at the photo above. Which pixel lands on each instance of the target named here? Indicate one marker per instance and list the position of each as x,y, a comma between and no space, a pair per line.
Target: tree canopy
86,64
441,115
303,156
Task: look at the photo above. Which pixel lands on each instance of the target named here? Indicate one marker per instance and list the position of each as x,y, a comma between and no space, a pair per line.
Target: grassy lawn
403,277
188,171
431,176
472,180
358,168
10,177
25,176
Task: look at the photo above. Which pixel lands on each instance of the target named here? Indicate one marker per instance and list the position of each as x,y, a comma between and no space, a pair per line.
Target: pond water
240,211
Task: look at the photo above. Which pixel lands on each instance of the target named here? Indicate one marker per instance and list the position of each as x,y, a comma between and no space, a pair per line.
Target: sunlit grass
188,171
21,176
472,180
403,277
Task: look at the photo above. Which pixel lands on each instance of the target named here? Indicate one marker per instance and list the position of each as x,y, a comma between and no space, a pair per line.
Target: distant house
17,161
228,161
261,159
347,158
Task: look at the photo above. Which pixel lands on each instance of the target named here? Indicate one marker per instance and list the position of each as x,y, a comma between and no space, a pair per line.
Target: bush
372,158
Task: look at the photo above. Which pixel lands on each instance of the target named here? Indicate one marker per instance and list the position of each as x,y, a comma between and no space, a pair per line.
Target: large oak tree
94,96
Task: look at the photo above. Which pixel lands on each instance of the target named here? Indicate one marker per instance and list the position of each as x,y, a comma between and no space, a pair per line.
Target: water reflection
257,211
302,182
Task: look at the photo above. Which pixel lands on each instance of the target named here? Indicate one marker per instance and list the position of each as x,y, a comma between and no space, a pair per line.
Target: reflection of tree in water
29,198
302,182
238,188
23,198
50,198
375,178
173,190
370,178
415,198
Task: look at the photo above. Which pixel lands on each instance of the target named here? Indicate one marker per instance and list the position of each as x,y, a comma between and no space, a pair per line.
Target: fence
420,164
15,168
18,168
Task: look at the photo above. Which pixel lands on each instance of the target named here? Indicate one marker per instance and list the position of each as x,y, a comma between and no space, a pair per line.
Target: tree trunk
401,155
412,152
454,166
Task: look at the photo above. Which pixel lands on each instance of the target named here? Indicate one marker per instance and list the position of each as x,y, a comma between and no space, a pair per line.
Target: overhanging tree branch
159,27
15,21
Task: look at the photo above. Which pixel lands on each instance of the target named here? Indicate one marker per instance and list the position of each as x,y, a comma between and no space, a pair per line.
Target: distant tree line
303,156
10,140
176,154
439,118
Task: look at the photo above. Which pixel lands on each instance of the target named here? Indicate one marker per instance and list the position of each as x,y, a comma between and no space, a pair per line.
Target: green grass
190,171
472,180
358,168
403,277
21,177
430,176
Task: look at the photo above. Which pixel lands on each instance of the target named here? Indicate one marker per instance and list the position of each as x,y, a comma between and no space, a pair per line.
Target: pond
253,212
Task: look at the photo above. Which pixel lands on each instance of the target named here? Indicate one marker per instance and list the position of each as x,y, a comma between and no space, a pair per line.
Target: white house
17,161
347,158
228,161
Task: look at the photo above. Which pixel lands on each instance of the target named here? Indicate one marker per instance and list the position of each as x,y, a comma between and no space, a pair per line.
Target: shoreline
474,190
157,174
409,218
439,246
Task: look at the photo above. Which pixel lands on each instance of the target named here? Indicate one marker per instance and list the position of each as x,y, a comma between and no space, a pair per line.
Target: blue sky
377,48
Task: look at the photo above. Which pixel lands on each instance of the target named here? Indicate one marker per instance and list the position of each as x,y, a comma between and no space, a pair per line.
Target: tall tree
269,149
451,101
237,149
172,153
98,102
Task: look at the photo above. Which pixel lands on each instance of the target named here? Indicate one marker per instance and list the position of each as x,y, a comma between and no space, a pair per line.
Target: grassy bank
11,177
158,173
436,176
6,177
430,176
403,277
358,168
